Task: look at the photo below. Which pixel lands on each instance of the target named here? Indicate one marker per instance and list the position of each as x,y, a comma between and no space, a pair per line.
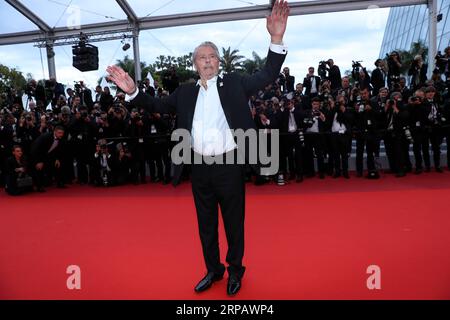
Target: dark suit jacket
283,119
40,147
287,83
234,92
378,80
307,84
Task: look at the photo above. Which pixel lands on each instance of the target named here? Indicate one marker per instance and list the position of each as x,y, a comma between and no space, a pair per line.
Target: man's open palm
277,21
121,79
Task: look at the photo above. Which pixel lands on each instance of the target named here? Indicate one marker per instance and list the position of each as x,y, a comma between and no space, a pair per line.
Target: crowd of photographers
98,139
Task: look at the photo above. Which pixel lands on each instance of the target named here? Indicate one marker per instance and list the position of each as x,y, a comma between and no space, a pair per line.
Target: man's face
316,105
98,89
402,83
286,71
430,95
76,101
420,94
18,152
311,71
299,88
207,63
383,93
365,94
345,83
59,134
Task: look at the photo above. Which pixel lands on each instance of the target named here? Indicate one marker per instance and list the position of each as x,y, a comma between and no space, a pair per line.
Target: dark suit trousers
370,141
341,146
214,186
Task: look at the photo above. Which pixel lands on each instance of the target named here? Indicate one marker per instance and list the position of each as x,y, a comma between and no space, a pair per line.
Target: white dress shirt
338,127
292,123
210,133
313,84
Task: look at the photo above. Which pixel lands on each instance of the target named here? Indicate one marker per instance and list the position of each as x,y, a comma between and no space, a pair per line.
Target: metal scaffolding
130,28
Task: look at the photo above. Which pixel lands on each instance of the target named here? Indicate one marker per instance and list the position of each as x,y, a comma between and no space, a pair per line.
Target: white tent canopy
118,19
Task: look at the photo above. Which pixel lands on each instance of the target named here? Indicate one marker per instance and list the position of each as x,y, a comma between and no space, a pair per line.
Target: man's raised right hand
121,79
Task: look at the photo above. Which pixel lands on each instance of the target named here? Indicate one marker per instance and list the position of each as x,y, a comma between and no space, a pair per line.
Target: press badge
369,122
141,140
153,129
418,124
341,131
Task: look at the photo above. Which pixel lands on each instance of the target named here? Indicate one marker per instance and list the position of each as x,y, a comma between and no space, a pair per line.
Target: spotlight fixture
126,46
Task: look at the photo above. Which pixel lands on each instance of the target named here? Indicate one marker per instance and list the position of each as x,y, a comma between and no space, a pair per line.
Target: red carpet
304,241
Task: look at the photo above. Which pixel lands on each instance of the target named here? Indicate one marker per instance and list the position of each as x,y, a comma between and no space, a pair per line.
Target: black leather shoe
439,170
207,281
234,285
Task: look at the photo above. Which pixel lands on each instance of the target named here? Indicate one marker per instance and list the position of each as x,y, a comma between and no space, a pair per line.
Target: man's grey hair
205,44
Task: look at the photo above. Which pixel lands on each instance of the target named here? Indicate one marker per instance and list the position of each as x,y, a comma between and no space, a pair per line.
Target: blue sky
343,36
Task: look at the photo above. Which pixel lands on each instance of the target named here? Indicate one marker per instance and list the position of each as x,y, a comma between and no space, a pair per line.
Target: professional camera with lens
356,68
309,121
441,62
30,91
322,69
408,134
301,138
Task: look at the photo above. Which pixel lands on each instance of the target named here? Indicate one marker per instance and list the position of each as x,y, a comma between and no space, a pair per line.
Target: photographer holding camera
81,142
291,125
434,121
394,64
366,125
417,123
418,73
17,179
395,120
27,131
341,120
334,75
315,122
311,83
158,147
443,64
37,91
121,164
286,81
379,75
102,165
117,119
85,94
138,126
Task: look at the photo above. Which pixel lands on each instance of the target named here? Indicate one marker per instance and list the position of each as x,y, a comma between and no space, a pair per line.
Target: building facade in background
409,24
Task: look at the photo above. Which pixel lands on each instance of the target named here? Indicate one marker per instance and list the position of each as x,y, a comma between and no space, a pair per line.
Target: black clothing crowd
102,140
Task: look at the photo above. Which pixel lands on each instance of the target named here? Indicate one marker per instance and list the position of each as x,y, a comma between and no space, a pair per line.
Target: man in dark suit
290,121
334,74
311,83
46,153
287,81
216,104
378,78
